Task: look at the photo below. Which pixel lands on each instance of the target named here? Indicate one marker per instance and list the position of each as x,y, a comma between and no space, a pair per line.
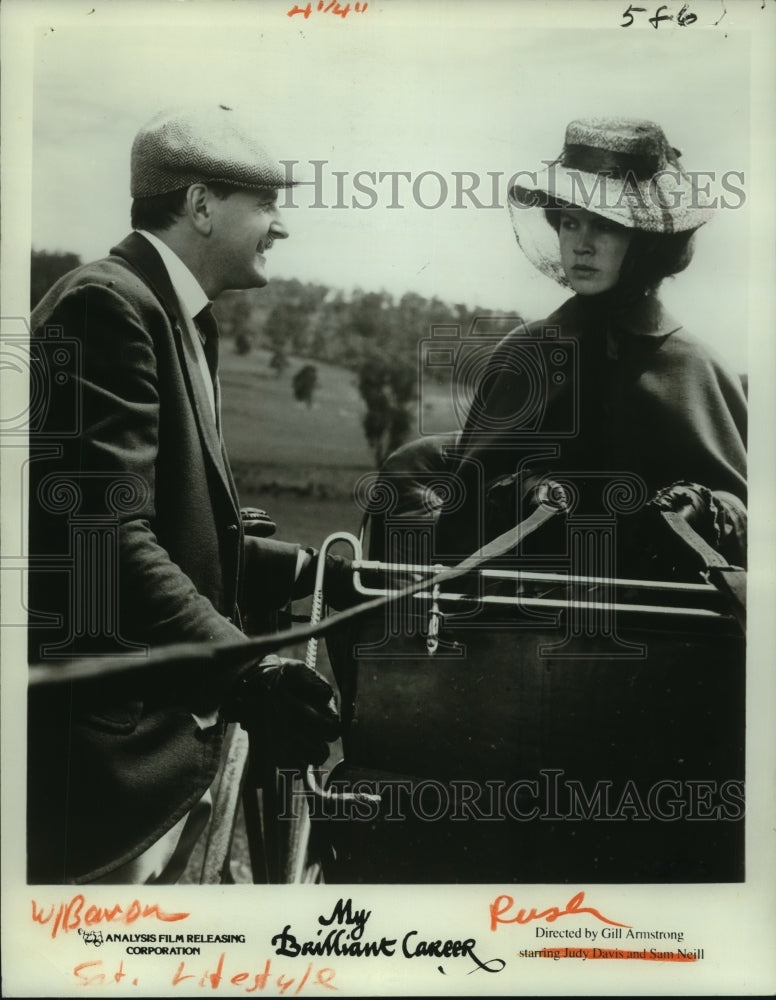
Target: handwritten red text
75,913
503,905
256,980
332,7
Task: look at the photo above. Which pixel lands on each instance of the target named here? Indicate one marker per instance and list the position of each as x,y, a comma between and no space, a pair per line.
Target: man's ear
198,205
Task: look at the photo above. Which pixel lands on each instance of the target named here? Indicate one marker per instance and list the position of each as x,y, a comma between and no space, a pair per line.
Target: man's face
592,250
245,225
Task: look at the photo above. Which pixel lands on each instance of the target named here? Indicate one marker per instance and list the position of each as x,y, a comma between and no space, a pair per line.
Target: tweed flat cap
179,147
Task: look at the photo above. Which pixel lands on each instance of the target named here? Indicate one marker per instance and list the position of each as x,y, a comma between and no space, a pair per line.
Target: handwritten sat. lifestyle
97,973
342,10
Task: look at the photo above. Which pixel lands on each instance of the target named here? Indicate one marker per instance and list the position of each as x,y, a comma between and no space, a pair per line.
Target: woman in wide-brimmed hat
609,387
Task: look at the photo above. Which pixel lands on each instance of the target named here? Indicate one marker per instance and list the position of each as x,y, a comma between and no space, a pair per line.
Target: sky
436,87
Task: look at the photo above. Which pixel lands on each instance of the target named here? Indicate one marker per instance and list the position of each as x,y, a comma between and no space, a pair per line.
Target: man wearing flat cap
134,499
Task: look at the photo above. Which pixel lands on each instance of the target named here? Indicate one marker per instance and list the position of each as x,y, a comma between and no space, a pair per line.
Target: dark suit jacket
135,541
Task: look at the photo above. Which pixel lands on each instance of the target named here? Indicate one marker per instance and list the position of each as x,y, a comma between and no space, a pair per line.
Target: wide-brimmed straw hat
622,169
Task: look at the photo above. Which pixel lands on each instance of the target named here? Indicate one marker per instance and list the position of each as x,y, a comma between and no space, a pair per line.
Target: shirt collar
189,291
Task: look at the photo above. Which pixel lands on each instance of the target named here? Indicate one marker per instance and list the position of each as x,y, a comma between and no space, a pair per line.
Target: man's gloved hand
696,504
257,522
338,588
292,704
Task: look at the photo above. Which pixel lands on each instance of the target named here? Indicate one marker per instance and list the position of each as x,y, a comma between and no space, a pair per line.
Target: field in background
300,464
297,462
264,423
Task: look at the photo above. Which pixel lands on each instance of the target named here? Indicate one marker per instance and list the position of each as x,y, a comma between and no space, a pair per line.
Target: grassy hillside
264,424
297,459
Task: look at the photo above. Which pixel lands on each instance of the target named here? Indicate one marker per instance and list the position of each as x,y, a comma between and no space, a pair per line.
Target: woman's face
592,250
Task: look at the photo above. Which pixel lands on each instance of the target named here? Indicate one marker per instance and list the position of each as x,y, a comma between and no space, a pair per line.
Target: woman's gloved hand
697,505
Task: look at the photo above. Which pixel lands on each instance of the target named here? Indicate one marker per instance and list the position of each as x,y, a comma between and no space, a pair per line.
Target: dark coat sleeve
688,416
687,419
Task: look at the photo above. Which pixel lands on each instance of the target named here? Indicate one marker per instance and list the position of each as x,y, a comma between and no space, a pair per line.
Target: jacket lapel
143,258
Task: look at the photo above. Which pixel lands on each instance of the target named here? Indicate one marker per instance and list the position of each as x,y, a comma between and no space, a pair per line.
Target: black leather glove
697,505
257,522
288,703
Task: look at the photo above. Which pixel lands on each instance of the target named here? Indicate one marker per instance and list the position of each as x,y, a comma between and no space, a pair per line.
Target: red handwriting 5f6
330,7
501,912
96,974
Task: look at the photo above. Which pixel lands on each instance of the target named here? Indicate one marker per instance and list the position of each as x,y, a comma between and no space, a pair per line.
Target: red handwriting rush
502,905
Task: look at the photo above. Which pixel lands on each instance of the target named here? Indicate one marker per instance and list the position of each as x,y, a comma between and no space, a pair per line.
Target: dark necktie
208,331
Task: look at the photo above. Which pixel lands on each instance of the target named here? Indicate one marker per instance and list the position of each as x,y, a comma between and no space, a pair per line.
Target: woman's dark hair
160,211
650,257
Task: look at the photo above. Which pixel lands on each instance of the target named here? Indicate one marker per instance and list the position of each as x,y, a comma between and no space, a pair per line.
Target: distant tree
304,384
279,362
279,331
369,313
243,343
386,364
387,385
45,268
235,314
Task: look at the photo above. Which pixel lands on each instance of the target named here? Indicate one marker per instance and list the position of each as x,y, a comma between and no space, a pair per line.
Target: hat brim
665,203
161,185
669,206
